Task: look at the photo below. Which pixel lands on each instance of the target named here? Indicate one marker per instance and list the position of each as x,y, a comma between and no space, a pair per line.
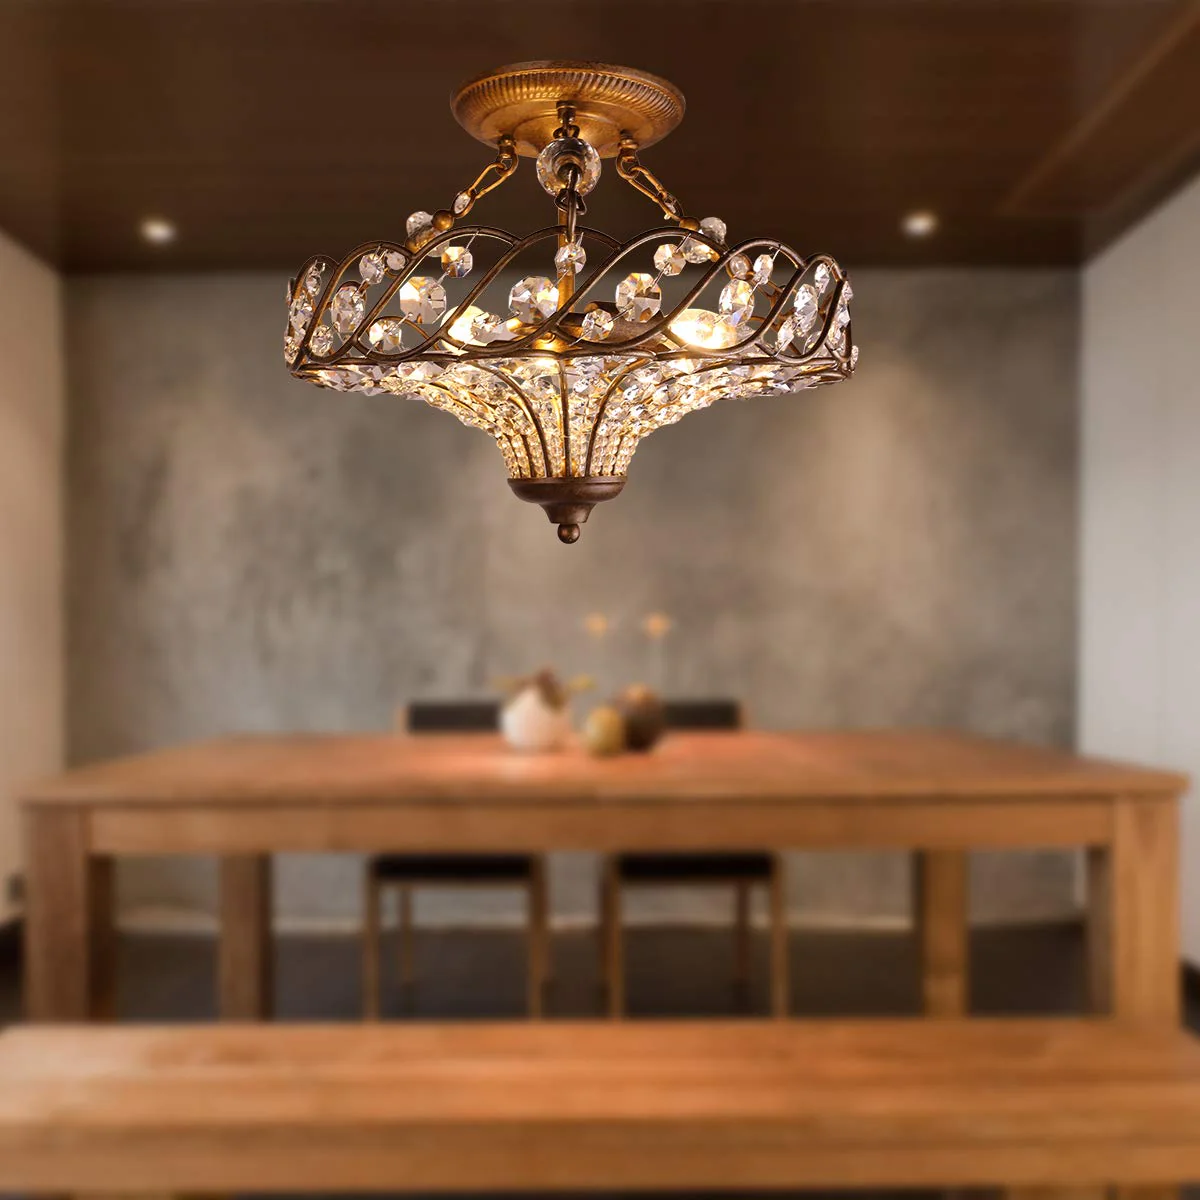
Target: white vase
530,724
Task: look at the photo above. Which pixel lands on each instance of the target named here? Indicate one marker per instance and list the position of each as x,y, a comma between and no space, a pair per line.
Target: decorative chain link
630,168
566,122
504,164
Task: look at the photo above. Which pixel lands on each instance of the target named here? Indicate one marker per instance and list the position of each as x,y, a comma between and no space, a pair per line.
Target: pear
604,731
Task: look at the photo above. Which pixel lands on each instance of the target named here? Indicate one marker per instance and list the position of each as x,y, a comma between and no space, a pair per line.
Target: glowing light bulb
704,329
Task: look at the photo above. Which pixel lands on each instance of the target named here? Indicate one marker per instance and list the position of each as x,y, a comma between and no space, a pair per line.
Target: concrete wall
31,537
1140,619
248,552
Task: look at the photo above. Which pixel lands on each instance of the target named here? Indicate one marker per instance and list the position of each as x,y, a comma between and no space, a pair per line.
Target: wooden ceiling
271,129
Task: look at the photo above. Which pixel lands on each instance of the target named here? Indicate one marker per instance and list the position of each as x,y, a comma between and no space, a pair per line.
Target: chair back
451,716
703,714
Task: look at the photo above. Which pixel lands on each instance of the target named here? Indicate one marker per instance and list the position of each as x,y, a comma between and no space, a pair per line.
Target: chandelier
565,345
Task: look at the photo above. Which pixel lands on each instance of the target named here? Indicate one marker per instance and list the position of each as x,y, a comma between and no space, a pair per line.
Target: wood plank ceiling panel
270,129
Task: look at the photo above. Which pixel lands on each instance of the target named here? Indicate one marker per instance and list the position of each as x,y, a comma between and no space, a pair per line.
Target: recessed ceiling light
158,231
920,223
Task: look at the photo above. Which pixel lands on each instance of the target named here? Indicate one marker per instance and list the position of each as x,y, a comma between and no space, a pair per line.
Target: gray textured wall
247,552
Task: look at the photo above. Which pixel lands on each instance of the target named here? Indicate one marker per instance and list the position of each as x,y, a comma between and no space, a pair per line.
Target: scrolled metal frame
535,337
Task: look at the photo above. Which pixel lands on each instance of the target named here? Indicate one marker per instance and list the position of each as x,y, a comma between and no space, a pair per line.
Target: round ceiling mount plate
610,102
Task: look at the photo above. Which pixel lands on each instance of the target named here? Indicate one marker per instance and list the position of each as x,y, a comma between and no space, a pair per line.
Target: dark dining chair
404,873
740,871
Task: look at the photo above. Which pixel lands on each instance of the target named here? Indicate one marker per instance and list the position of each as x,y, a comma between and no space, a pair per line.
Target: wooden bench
596,1105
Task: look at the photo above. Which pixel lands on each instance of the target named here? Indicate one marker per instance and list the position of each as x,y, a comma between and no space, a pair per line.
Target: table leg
103,962
1098,929
245,955
69,945
1144,911
1133,924
940,896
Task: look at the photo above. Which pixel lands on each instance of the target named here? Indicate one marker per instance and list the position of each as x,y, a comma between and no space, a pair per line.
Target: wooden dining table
940,795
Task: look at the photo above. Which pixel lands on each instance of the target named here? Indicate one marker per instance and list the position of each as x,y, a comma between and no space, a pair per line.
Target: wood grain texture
1144,910
245,958
473,769
698,791
599,1105
733,822
940,910
67,913
938,792
954,107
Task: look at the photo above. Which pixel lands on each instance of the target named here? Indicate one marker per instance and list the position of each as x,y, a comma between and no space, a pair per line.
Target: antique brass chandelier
565,345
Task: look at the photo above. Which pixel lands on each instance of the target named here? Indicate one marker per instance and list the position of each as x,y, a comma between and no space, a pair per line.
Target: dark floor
671,972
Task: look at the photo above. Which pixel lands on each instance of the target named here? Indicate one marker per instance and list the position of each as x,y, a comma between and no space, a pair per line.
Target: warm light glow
158,231
704,329
920,224
460,329
657,625
596,624
474,327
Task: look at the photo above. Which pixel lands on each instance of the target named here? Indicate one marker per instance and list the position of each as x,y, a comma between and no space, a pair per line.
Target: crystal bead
461,203
347,308
696,252
418,223
571,255
291,347
486,327
395,260
854,358
714,227
457,261
739,267
847,292
669,259
737,302
300,312
597,325
787,332
321,342
386,335
638,297
533,298
312,281
763,265
370,267
422,299
571,149
821,277
806,307
835,342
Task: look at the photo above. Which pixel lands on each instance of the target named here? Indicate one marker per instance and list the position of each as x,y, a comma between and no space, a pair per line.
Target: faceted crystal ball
563,152
422,299
533,298
638,297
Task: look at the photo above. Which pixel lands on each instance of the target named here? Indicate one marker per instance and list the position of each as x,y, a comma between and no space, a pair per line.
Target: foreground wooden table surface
244,799
598,1106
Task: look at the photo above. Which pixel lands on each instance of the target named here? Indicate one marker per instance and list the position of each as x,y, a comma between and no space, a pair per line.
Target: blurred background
994,527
